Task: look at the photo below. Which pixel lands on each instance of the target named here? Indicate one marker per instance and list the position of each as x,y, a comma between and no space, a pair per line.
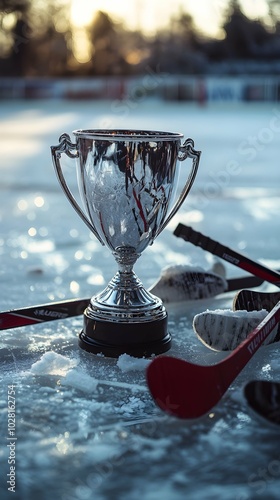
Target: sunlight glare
151,16
255,9
82,12
81,47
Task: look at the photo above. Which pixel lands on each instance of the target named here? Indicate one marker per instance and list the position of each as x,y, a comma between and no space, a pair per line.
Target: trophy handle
65,146
185,151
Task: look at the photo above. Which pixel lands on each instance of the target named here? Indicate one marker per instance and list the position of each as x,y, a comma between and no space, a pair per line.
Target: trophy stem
126,258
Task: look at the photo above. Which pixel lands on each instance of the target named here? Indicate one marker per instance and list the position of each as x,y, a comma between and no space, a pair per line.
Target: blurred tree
107,47
37,37
15,32
182,27
50,44
13,6
274,14
178,48
244,37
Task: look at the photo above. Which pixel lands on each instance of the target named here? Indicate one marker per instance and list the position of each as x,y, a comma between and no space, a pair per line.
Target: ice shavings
52,363
127,363
134,404
239,313
80,380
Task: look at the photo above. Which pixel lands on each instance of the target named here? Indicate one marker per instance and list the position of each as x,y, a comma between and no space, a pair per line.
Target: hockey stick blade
187,390
225,330
251,300
179,283
226,253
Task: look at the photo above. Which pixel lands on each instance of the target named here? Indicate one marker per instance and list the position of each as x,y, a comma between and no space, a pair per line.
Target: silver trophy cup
126,181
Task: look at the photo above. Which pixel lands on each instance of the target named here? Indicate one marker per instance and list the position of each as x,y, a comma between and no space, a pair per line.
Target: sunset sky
149,15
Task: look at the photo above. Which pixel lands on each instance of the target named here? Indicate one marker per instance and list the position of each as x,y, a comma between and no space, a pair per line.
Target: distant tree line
37,39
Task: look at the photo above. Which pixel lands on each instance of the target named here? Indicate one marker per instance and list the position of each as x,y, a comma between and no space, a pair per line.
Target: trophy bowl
127,181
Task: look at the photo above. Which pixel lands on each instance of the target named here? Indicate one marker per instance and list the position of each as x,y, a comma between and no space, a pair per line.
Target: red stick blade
183,389
13,320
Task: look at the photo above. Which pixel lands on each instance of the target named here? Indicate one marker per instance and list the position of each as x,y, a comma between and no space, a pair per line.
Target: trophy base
125,318
113,339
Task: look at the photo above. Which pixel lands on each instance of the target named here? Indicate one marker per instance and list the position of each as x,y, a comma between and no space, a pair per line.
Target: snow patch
128,363
238,314
52,363
80,380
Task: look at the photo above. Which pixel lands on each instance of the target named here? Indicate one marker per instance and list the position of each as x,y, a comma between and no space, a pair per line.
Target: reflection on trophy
126,180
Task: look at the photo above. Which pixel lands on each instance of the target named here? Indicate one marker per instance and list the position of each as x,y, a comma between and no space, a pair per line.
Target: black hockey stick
226,253
251,300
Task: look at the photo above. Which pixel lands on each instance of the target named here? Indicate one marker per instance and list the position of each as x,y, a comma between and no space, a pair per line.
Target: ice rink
86,426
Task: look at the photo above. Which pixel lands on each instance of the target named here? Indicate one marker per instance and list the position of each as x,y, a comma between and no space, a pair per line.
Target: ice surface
86,426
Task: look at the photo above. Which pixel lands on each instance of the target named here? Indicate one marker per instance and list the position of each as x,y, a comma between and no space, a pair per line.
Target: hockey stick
39,314
226,253
74,307
187,390
263,397
243,282
176,283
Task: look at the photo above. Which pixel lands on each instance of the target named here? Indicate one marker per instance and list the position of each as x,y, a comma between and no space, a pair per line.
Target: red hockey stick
187,390
44,312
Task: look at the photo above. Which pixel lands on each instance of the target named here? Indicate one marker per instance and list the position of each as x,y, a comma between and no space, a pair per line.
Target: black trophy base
142,339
